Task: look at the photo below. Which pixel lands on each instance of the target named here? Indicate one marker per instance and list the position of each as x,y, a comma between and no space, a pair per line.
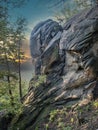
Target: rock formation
66,60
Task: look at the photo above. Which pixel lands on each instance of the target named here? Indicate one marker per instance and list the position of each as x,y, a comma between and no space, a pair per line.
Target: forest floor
68,118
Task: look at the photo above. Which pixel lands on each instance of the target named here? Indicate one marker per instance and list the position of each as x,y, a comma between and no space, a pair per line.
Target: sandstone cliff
66,67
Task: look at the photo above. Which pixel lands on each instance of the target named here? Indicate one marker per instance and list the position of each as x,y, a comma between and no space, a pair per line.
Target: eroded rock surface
67,59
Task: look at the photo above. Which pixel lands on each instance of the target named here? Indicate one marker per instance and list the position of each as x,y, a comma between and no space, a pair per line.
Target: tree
71,7
19,33
4,42
10,41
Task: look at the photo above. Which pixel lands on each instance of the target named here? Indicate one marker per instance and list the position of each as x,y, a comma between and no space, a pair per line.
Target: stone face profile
67,59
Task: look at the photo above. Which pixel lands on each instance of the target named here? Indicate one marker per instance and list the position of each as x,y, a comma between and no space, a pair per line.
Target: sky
35,11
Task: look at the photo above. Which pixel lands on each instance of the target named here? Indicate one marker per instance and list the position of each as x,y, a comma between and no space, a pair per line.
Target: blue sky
37,10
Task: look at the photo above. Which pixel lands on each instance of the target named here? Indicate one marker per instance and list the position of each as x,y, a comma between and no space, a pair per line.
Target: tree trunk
10,91
8,80
19,71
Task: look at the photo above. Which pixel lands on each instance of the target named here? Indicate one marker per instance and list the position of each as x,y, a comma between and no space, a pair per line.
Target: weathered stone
41,35
69,59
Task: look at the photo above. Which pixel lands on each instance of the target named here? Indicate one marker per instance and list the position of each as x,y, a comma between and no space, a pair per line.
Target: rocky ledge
66,67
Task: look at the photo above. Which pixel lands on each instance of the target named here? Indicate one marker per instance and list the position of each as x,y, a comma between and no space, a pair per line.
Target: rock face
66,66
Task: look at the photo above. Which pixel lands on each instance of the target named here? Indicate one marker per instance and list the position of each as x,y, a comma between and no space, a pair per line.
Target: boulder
65,67
41,36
